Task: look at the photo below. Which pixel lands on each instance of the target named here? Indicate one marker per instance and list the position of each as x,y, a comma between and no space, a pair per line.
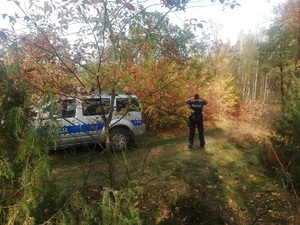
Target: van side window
68,108
131,104
92,107
61,109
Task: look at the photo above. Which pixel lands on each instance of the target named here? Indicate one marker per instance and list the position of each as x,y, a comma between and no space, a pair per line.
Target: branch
285,172
51,45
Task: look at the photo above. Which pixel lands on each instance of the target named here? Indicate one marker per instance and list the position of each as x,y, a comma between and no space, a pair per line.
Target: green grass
226,183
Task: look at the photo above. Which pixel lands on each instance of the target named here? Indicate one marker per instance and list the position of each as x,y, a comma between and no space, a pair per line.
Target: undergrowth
226,183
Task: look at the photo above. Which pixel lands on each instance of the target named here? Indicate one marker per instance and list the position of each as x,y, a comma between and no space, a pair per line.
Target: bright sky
248,16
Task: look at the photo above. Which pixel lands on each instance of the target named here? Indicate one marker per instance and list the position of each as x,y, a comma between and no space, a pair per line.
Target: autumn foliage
119,46
41,67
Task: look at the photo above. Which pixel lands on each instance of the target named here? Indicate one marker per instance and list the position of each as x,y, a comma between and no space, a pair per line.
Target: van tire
119,139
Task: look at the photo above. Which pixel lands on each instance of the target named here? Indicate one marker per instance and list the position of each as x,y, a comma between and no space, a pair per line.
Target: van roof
96,95
89,92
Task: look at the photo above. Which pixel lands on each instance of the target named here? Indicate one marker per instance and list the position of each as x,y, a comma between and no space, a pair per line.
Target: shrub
286,136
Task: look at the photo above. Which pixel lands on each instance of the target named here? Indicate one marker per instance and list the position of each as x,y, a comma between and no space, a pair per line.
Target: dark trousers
199,124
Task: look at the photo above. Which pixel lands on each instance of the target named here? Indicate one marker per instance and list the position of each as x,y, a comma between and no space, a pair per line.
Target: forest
250,171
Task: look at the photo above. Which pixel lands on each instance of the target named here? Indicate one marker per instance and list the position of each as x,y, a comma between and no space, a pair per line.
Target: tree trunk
249,90
297,59
108,147
281,83
110,164
255,82
266,87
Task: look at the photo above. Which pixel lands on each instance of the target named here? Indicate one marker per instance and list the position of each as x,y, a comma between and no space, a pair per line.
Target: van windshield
130,104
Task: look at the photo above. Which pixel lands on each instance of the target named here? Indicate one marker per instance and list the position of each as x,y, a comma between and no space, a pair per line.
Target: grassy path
225,183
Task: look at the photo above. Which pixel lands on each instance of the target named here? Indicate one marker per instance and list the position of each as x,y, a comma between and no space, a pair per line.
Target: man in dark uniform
196,119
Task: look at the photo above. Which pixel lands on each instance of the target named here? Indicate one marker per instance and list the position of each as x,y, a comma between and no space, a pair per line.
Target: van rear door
92,123
69,123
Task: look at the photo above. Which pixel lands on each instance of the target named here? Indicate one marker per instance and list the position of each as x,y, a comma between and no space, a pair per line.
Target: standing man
196,119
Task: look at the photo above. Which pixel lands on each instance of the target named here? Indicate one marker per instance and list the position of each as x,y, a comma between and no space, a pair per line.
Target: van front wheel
119,139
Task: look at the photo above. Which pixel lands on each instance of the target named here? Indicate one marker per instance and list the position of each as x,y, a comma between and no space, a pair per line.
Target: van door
92,123
129,109
62,114
69,123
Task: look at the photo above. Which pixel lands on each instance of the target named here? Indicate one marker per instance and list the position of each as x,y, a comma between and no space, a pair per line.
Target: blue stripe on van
136,123
81,128
92,127
69,129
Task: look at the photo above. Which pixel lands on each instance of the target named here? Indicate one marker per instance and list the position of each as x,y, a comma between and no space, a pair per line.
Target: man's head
196,96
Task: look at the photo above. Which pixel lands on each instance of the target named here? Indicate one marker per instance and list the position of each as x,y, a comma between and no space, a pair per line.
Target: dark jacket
196,105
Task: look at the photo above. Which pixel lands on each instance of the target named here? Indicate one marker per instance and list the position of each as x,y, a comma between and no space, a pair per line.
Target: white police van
79,119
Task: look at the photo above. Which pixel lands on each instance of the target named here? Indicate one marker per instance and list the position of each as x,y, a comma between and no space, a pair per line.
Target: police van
79,119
